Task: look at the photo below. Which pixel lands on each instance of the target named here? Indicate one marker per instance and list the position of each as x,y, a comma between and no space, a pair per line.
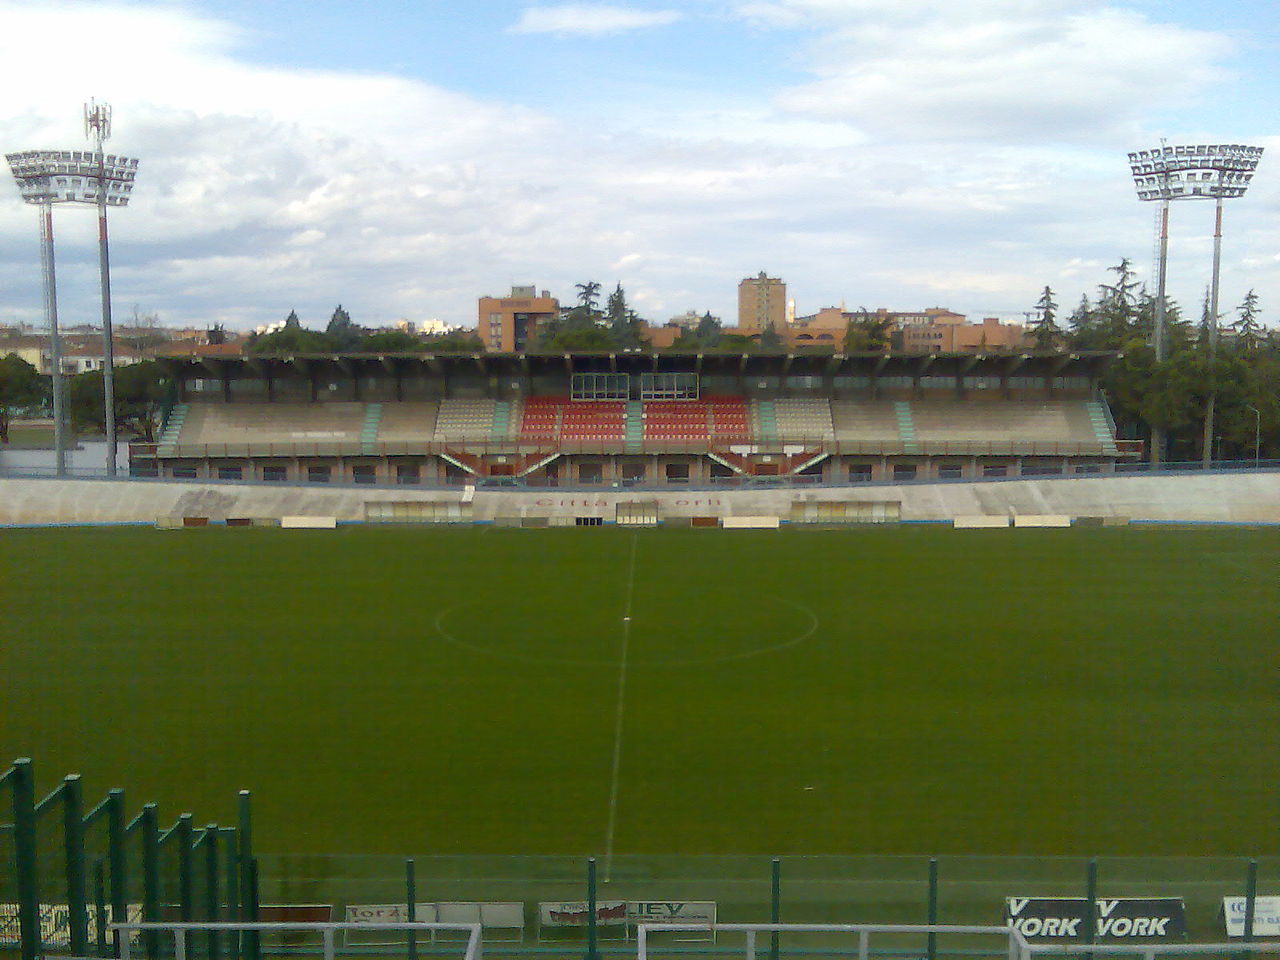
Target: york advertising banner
574,913
390,912
671,911
1117,918
1266,916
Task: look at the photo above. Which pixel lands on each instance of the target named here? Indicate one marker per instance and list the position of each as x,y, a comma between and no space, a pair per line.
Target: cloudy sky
404,157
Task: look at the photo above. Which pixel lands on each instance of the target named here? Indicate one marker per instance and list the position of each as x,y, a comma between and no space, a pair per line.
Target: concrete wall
1235,498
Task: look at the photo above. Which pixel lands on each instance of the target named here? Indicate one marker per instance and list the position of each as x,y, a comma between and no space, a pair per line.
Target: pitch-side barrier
1148,951
1013,950
326,931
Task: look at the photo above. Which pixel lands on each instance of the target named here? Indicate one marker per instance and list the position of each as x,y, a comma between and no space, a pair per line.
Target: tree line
1233,359
342,335
1241,372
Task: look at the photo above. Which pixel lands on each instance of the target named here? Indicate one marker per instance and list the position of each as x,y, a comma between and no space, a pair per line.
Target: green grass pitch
477,690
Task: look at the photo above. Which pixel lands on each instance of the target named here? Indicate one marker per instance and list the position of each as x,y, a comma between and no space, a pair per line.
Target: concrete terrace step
906,426
501,428
634,426
369,429
766,420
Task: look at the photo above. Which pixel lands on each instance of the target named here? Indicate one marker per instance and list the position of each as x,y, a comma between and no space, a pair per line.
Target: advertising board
1116,918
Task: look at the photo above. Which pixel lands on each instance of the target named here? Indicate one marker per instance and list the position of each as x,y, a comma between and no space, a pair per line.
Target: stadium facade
633,418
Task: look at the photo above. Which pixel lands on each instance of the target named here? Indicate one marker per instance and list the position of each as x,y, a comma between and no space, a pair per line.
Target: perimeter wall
1238,497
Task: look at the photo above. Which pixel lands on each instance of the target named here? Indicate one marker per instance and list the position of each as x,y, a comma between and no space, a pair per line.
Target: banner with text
671,911
1117,918
390,912
574,913
1266,916
55,923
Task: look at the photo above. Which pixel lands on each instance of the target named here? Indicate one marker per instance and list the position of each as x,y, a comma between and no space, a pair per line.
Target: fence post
100,905
116,864
592,952
932,918
151,877
249,938
255,943
411,901
253,896
232,892
73,843
1250,897
1091,903
210,841
775,903
24,856
186,883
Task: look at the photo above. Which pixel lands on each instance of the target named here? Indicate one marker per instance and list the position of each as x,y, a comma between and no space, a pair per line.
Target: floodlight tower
34,185
97,127
48,177
1201,172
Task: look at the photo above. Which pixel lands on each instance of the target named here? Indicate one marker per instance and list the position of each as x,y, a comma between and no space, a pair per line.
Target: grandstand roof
883,363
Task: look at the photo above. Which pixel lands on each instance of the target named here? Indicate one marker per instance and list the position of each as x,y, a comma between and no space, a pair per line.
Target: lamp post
1199,172
48,177
1257,435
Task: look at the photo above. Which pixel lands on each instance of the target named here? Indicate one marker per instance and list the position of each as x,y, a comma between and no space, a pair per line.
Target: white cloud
994,70
262,189
591,20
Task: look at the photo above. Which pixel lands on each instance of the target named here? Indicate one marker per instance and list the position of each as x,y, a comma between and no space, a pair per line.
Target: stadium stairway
635,426
172,429
369,429
766,418
501,428
906,426
1101,426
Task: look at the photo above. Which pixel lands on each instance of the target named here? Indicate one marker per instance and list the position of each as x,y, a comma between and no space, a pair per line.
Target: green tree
293,338
20,386
390,341
578,320
455,341
581,339
343,334
709,330
1044,328
1249,333
588,296
867,333
625,325
217,334
140,389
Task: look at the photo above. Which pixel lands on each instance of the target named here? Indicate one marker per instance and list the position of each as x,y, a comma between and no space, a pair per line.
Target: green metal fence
69,869
968,890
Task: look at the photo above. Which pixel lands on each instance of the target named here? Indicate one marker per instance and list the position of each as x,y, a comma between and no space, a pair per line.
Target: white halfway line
618,715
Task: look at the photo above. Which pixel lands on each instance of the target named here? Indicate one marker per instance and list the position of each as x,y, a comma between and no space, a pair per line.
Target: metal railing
1149,951
1016,943
1119,469
619,447
180,931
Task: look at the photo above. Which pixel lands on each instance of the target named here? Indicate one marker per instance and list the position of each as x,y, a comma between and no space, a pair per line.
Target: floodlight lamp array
73,176
1203,171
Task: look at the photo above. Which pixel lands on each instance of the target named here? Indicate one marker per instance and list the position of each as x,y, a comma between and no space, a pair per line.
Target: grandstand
633,418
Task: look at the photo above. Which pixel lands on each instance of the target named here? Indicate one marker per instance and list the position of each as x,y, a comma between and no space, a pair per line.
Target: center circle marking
446,633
